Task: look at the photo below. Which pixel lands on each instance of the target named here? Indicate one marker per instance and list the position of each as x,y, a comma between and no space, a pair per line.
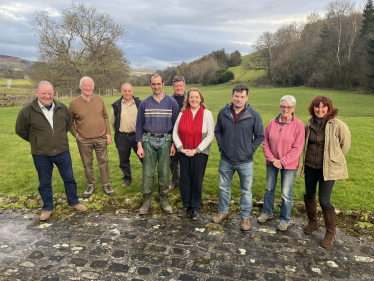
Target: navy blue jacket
238,141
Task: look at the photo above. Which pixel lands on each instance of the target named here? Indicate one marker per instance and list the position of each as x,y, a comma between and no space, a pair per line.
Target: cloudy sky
165,32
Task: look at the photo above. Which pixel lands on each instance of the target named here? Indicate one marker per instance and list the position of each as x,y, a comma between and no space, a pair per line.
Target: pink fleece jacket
284,142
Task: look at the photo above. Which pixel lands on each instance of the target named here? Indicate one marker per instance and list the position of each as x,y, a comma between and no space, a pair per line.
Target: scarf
190,129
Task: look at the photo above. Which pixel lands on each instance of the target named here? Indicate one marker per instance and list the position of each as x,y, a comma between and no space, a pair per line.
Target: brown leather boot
330,224
311,210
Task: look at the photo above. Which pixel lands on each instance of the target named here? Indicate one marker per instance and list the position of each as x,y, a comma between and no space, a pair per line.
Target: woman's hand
189,152
277,164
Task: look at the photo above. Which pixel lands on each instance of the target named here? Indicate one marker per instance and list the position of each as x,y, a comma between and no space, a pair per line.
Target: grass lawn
19,177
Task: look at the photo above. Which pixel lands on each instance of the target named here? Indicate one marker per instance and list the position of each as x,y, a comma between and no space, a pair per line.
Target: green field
246,75
16,82
19,177
18,87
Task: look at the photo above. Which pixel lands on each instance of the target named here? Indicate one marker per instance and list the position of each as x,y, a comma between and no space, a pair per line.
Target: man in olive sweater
91,129
44,123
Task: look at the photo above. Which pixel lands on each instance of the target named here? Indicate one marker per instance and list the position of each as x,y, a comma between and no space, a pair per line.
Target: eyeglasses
286,107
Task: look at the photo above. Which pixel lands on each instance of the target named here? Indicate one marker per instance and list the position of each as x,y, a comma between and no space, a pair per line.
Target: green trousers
156,157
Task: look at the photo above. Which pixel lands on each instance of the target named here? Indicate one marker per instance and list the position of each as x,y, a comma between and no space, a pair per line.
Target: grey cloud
165,33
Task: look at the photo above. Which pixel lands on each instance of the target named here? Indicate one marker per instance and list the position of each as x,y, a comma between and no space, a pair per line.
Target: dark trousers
312,176
124,145
174,169
191,179
44,166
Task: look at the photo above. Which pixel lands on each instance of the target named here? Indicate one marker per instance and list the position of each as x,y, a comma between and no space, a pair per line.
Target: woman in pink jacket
283,144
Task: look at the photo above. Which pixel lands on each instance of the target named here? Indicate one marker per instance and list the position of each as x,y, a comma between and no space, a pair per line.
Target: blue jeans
287,181
44,166
226,172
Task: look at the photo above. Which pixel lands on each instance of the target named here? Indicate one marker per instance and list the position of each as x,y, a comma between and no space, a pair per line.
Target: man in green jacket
44,123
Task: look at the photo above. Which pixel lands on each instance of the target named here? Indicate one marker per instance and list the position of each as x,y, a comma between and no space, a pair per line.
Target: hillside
244,75
141,71
14,63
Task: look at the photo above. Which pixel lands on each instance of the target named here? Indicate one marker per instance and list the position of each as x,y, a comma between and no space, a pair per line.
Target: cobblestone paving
125,246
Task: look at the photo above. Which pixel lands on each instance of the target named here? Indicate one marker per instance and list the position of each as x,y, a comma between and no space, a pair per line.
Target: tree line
331,51
208,70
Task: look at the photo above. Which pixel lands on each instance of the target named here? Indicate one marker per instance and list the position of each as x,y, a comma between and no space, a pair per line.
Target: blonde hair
187,104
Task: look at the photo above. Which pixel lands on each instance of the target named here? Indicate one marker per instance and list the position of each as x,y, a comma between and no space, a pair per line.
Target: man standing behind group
179,86
123,119
92,131
44,123
154,125
239,132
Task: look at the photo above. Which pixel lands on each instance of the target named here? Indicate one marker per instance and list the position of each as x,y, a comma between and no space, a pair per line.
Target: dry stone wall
18,100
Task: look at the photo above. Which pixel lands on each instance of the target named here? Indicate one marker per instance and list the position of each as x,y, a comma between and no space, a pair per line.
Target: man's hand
172,150
140,151
109,137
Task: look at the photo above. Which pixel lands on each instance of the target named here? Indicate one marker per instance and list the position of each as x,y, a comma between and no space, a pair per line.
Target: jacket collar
174,95
246,114
289,121
36,107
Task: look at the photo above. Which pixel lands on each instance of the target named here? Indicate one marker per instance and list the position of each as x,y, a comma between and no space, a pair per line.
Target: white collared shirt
48,113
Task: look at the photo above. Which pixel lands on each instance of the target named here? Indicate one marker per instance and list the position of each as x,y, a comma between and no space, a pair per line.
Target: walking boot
165,204
330,224
311,210
147,200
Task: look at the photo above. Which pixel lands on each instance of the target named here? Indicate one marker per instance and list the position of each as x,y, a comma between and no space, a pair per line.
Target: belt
128,134
158,135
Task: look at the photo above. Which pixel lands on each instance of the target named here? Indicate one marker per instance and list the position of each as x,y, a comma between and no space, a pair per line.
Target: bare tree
336,11
81,42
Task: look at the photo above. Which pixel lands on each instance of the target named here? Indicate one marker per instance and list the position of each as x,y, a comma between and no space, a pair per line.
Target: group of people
175,133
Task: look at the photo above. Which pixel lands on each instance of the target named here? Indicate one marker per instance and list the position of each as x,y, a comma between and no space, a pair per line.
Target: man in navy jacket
239,132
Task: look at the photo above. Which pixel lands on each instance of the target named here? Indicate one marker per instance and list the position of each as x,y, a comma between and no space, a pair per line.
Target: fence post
99,92
57,94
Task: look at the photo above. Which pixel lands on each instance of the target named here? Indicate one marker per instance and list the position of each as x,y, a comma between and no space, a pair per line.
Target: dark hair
240,88
178,79
331,112
154,75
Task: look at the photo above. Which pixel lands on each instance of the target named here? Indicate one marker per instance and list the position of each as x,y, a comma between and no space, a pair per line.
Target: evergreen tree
324,35
324,32
368,21
371,57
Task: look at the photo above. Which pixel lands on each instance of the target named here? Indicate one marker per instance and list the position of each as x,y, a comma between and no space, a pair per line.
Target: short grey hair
289,99
43,82
132,88
178,79
86,77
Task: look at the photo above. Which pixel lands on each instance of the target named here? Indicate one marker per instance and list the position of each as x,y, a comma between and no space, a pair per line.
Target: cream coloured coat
337,144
